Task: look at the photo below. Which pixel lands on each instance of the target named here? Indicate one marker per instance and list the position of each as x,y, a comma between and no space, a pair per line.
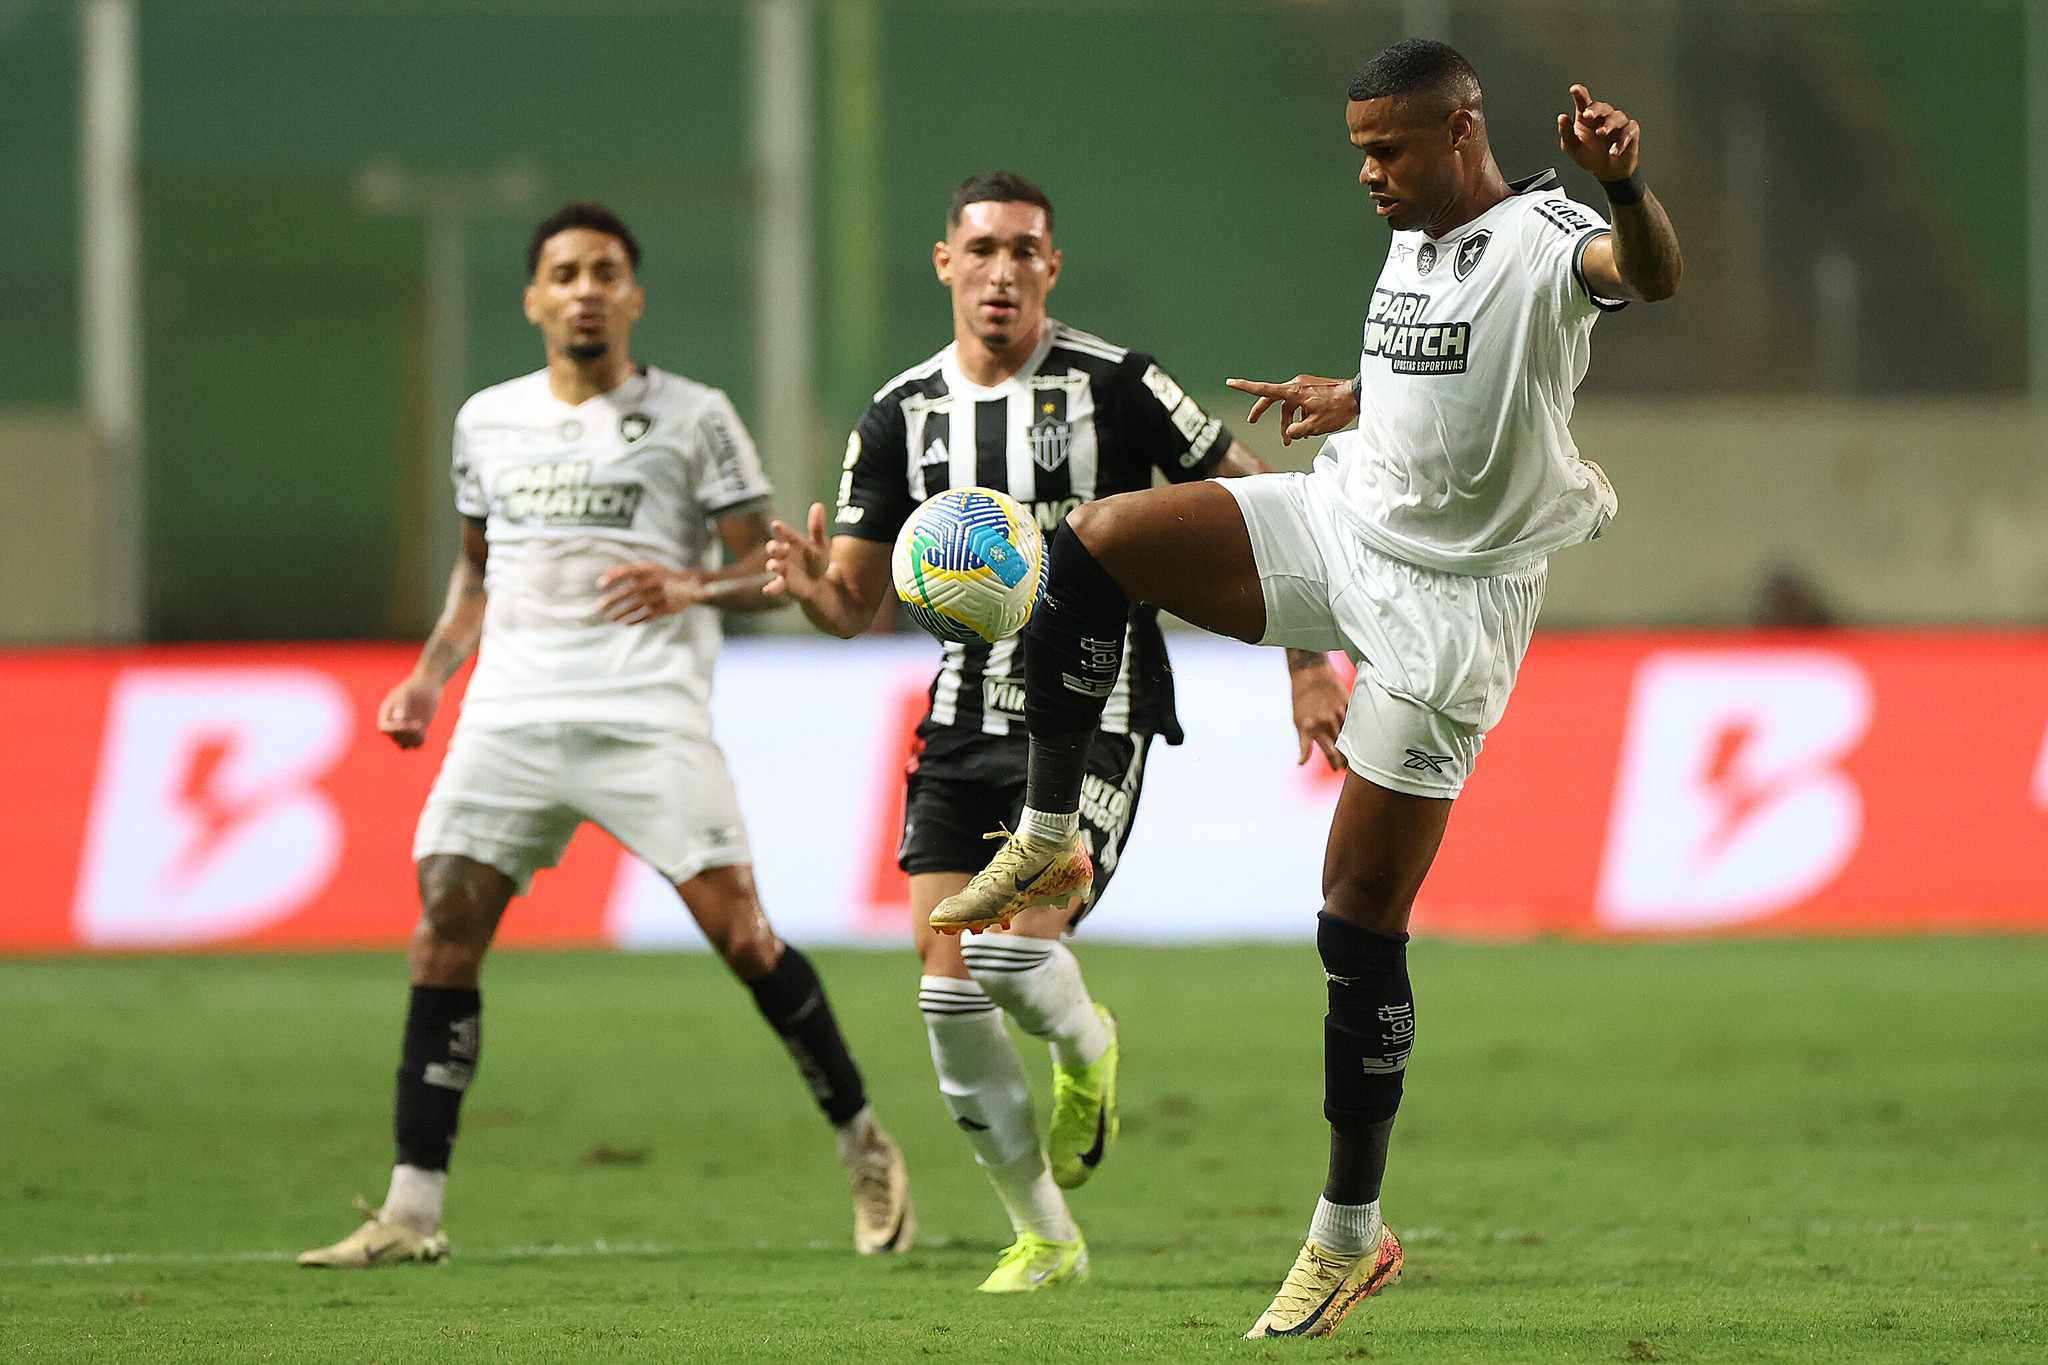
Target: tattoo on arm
455,635
1646,253
1300,660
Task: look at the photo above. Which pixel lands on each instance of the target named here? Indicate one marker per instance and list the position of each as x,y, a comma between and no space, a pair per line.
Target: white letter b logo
206,822
1729,805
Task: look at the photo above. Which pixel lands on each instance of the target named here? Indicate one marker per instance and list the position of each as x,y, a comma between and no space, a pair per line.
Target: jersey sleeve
874,483
1555,237
1165,425
469,486
730,470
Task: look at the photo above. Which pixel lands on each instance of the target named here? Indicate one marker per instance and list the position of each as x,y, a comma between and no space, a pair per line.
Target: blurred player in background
1418,544
1053,417
595,493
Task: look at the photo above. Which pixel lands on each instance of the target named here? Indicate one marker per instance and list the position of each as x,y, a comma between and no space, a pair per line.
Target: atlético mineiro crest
634,425
1050,439
1425,257
1469,252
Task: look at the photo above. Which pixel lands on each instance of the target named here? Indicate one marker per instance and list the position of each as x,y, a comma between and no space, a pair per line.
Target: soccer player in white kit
596,494
1417,545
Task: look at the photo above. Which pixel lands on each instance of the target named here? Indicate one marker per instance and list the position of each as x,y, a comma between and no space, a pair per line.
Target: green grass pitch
1782,1151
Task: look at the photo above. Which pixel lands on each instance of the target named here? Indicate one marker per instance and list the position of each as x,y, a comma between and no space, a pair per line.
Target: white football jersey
641,473
1462,460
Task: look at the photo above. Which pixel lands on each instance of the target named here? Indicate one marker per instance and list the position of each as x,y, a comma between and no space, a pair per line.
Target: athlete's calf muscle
1182,547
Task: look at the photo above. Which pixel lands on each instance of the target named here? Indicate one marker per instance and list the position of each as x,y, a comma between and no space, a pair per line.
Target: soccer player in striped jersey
1054,417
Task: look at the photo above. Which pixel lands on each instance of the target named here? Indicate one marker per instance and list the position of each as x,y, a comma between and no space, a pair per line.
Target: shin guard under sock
792,1000
443,1036
983,1085
1073,652
1366,1039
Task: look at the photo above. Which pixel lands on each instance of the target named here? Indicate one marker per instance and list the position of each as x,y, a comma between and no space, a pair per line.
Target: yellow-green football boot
1084,1117
1032,1263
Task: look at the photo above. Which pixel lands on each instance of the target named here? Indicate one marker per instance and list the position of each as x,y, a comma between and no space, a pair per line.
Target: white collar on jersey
1538,183
960,383
630,390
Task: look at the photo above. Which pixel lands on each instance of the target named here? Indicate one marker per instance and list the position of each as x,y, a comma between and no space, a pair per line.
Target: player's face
1000,263
582,296
1410,168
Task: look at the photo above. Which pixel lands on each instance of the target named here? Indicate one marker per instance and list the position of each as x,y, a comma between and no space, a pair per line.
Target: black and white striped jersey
1082,419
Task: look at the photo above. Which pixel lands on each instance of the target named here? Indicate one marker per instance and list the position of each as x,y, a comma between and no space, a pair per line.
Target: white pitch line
103,1258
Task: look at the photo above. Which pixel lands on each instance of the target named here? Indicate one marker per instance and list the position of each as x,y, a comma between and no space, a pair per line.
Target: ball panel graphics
969,566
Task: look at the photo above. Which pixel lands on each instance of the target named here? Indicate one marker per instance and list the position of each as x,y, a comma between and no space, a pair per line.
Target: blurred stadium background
257,253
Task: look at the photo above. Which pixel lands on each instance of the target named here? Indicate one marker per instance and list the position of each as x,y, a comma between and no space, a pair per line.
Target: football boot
1025,872
1322,1288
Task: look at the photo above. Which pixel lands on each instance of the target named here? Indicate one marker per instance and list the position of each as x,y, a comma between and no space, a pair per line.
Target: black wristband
1625,192
1358,389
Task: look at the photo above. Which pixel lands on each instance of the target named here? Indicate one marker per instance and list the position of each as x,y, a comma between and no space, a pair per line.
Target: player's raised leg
462,901
1381,845
786,989
1182,547
982,1083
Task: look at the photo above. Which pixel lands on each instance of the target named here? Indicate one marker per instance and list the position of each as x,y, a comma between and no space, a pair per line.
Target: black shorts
954,800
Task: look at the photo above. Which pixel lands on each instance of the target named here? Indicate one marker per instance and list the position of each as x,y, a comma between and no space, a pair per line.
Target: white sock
983,1084
1038,982
1345,1229
856,1137
1038,824
1033,1202
415,1198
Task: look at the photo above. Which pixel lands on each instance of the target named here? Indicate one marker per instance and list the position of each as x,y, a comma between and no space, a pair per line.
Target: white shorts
1436,652
512,798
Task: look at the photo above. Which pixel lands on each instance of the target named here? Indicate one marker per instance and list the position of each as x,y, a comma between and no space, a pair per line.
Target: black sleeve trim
739,507
1579,273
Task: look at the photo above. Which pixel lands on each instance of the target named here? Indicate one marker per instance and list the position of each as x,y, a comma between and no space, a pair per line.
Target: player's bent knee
461,902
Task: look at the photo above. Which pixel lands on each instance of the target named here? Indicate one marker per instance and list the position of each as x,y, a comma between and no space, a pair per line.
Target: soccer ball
969,566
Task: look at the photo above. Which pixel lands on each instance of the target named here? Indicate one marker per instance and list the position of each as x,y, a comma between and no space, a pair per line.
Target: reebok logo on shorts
1419,760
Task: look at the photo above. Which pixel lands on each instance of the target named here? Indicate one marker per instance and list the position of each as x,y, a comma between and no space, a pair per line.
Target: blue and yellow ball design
969,566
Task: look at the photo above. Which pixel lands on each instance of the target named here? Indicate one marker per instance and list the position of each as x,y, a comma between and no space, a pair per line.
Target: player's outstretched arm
1310,405
1640,259
408,709
840,586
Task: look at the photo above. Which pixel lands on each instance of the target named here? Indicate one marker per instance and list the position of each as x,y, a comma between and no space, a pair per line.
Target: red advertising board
1844,782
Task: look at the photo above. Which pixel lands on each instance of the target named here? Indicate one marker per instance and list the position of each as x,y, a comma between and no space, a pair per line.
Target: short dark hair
997,187
596,217
1419,69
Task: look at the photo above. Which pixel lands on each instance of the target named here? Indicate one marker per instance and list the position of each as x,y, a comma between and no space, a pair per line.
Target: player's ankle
1052,827
414,1200
857,1138
1345,1229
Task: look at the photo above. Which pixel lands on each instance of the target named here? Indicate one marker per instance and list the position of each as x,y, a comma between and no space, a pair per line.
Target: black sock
443,1034
792,1000
1073,651
1366,1038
